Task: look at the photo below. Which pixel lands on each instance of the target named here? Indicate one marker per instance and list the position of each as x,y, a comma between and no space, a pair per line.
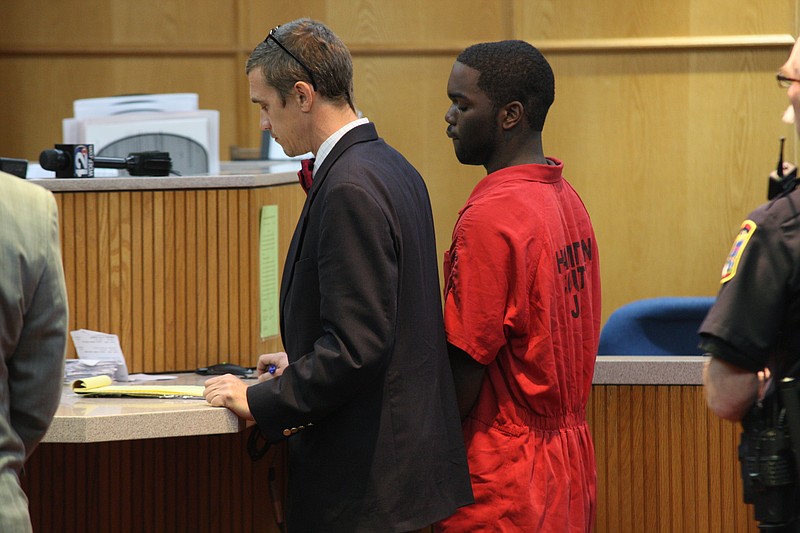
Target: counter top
81,419
649,370
237,174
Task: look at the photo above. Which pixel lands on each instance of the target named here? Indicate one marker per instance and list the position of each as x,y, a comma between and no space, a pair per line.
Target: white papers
171,122
190,137
135,103
96,346
151,377
88,368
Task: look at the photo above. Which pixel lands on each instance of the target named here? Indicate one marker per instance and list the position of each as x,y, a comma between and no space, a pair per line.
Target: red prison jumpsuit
522,296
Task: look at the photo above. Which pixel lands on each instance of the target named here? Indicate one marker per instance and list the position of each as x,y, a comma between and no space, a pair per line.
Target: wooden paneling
35,110
95,24
669,161
667,136
619,18
173,273
198,484
377,23
668,126
664,462
416,127
49,98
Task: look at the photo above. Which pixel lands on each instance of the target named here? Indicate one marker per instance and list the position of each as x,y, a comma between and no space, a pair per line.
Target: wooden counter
170,264
234,176
664,462
80,419
155,465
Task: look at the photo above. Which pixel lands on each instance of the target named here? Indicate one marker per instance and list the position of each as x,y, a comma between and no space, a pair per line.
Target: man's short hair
320,50
513,71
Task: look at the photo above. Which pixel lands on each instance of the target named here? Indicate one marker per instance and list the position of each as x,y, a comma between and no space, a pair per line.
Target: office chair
655,326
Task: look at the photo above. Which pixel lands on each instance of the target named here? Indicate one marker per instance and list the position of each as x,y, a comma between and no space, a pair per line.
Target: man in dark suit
364,394
33,334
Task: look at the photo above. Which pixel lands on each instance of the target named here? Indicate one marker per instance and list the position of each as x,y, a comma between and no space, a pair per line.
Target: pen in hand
272,365
268,372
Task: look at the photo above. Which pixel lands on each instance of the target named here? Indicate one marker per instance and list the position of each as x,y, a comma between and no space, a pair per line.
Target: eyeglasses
785,81
308,70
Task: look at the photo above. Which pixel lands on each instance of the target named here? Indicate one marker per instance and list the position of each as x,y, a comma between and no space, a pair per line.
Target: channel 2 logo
83,160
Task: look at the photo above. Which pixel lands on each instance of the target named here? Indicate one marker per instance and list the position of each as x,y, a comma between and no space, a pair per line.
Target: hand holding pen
271,365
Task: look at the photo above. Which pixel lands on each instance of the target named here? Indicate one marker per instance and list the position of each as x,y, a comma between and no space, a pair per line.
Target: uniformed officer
753,332
755,322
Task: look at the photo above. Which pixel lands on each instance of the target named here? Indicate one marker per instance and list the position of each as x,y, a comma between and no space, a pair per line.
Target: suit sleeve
36,368
357,269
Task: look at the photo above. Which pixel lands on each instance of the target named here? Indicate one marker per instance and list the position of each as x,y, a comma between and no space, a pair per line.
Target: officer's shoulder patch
731,264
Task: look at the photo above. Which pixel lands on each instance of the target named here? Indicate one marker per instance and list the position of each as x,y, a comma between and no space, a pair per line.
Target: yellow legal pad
102,386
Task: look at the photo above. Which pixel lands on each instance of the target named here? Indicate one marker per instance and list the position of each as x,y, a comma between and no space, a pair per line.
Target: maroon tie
305,174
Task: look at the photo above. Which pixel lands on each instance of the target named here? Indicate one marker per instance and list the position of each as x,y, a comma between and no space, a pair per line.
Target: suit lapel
359,134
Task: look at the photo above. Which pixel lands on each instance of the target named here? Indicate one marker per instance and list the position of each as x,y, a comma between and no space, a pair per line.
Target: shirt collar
530,172
326,147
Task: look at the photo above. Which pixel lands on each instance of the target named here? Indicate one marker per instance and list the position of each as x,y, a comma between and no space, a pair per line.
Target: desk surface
81,419
234,175
649,370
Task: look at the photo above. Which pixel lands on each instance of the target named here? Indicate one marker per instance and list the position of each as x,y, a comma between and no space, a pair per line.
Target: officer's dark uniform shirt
755,321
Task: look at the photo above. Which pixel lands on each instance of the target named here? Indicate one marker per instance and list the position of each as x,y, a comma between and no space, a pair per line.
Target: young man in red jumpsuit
522,303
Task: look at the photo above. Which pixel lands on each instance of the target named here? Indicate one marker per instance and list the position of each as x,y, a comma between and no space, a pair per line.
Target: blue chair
655,326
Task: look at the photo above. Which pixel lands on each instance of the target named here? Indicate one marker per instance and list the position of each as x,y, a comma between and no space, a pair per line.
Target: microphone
152,163
69,160
79,161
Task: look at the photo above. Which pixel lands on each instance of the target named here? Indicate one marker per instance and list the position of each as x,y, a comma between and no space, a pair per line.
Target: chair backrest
655,326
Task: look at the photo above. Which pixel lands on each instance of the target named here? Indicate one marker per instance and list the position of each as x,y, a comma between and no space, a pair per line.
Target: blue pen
271,369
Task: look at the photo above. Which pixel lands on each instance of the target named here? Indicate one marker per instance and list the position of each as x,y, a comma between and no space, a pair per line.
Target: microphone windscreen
54,159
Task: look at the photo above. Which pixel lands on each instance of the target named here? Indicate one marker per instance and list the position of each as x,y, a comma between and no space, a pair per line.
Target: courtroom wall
666,112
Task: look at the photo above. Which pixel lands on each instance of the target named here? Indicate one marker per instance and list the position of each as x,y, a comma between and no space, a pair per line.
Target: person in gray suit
363,394
33,334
